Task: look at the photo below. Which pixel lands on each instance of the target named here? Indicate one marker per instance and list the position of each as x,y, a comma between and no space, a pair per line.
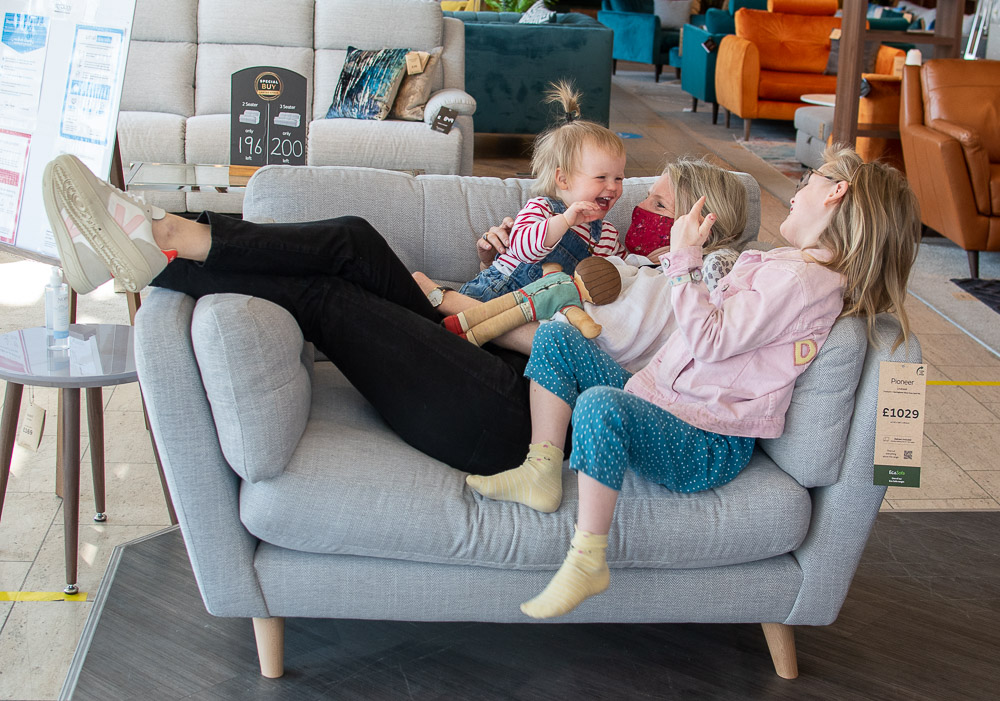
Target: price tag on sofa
444,120
899,423
267,117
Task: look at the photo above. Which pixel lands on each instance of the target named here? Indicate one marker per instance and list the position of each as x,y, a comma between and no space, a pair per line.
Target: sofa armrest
458,100
976,159
843,513
931,157
737,75
204,489
637,35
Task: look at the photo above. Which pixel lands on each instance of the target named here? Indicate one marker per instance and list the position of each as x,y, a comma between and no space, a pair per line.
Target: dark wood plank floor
922,621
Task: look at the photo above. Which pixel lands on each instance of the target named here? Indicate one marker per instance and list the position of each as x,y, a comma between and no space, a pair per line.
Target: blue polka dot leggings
614,431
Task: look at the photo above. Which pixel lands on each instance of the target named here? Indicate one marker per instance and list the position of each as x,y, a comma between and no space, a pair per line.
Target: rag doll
596,280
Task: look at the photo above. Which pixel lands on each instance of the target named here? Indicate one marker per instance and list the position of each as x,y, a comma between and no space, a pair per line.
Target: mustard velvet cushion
416,89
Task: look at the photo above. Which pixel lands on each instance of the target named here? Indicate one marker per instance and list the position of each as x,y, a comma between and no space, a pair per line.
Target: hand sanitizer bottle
57,311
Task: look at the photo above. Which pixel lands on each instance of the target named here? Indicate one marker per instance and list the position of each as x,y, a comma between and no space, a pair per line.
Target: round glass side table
99,355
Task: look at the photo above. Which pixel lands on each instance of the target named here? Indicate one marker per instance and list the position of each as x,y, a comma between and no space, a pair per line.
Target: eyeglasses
804,180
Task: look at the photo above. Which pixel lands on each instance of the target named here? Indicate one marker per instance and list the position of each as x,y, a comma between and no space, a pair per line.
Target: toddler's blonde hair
725,196
561,146
874,236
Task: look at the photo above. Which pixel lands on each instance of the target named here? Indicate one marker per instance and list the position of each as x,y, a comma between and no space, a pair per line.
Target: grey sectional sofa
295,499
176,98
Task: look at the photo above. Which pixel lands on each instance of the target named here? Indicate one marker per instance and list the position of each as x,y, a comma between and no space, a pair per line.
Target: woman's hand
690,229
494,242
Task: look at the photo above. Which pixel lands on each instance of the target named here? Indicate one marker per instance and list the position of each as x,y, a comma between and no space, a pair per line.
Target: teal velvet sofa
509,66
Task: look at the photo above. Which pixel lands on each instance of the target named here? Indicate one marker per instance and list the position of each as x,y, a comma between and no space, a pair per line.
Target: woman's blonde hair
561,146
874,236
725,196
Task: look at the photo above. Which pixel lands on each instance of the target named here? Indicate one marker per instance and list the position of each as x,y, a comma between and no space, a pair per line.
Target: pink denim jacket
731,365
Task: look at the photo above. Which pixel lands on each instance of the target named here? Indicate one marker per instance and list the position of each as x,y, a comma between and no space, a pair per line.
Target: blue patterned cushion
538,14
368,83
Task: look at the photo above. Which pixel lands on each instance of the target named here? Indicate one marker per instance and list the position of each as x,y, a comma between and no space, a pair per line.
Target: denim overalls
570,250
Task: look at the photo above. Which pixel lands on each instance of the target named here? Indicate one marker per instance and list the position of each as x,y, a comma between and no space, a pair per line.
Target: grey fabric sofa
295,499
176,100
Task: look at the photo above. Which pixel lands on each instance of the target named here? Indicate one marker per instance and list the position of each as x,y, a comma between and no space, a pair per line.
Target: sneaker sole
75,275
126,263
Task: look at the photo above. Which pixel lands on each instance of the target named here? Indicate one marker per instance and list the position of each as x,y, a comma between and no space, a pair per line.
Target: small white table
822,99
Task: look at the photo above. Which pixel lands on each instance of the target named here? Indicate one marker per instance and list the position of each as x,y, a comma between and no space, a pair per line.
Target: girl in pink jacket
690,418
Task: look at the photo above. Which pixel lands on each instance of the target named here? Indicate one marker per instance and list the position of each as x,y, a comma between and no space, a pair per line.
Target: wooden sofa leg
694,104
727,117
973,264
270,634
781,642
715,113
746,129
614,66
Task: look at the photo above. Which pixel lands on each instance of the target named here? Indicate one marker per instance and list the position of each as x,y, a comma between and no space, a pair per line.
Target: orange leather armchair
774,58
949,121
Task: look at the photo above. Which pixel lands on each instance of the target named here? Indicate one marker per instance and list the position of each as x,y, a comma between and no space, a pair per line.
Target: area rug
986,291
777,153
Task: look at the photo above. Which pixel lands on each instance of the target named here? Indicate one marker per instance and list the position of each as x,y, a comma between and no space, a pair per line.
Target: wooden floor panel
922,621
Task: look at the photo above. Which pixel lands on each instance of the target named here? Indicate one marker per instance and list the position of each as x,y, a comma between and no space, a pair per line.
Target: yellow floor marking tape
967,383
41,596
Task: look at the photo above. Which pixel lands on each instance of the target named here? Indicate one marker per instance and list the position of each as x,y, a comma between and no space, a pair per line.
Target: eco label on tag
899,423
416,62
444,120
32,426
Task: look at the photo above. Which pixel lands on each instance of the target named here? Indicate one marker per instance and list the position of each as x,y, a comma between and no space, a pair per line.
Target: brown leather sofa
950,129
774,58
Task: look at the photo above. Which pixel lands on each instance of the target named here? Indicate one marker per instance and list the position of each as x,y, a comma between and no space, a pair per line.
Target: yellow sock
536,483
583,574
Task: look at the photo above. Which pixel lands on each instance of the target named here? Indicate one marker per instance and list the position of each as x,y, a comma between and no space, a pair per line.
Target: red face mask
648,232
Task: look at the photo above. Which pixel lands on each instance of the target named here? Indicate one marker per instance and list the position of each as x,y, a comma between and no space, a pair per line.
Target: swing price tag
444,120
899,423
31,427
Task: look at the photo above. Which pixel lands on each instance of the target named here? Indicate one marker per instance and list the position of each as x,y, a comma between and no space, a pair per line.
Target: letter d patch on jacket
805,351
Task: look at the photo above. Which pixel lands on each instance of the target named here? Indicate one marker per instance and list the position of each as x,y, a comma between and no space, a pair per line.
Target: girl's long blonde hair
874,236
560,146
725,196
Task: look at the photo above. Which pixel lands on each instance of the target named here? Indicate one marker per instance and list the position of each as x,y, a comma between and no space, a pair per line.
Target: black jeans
357,302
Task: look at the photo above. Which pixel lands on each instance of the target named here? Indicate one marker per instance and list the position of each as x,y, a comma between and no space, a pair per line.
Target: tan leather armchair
949,120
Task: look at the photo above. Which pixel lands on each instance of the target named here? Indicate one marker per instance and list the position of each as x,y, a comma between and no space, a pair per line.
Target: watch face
435,297
696,274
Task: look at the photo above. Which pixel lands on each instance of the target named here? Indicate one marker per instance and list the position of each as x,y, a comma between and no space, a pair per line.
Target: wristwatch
436,296
693,276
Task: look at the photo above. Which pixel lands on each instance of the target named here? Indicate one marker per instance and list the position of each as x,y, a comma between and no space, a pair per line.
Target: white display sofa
176,101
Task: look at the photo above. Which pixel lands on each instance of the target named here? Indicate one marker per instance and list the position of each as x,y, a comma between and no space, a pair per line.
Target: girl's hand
582,213
494,241
690,229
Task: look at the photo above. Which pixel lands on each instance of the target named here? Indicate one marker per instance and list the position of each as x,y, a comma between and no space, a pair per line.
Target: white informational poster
62,67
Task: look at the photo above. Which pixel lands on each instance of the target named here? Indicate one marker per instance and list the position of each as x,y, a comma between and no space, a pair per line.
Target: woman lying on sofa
350,294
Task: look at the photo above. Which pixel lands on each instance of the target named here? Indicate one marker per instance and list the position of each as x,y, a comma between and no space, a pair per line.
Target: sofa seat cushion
391,144
333,498
790,87
156,137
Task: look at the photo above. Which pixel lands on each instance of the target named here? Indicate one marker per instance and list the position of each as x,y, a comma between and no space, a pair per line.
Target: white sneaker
100,231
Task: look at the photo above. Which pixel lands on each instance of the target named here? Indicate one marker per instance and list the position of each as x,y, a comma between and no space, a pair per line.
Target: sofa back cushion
966,93
162,53
378,24
811,449
250,354
790,43
803,7
426,217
